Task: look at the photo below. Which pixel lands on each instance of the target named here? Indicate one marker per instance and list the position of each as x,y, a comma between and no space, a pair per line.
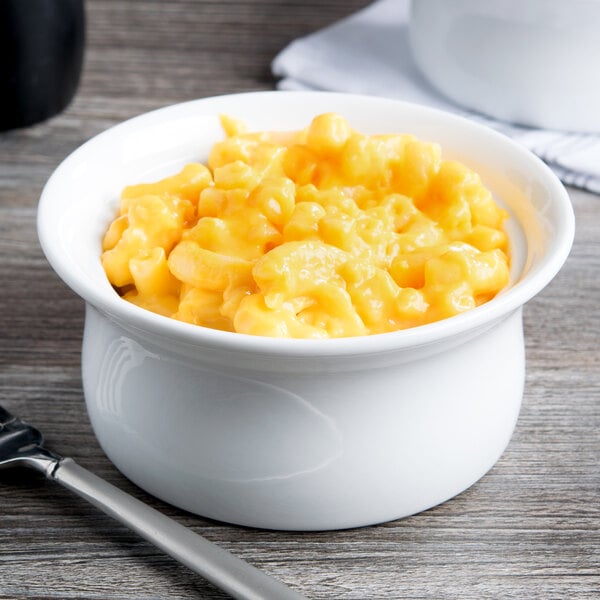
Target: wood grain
529,529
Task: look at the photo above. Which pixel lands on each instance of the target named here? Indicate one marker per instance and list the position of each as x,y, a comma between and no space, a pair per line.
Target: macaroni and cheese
320,233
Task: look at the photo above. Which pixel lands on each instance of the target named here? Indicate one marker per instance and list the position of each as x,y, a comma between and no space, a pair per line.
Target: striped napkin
368,53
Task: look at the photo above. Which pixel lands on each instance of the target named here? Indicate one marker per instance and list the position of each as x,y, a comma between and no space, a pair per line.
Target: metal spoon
21,444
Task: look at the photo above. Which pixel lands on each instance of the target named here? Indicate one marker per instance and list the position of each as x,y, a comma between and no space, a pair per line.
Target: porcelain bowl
529,62
299,434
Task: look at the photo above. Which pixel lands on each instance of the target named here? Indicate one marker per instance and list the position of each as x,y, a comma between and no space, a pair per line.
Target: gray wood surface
529,529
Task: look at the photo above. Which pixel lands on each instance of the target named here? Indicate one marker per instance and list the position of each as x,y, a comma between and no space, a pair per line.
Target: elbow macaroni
320,233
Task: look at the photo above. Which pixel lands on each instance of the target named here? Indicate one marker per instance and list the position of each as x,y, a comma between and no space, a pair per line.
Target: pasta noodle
324,232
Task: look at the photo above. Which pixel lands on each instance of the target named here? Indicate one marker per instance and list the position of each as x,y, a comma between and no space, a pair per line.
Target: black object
41,54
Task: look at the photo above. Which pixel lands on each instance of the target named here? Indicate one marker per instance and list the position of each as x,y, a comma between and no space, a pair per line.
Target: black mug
41,55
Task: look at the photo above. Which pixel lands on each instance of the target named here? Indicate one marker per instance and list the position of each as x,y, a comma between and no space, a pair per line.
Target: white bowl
299,434
532,62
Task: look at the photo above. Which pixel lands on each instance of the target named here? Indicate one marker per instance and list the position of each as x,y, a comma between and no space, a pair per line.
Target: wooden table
529,529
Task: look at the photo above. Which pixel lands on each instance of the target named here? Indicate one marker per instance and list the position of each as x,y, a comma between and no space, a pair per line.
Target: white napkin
368,53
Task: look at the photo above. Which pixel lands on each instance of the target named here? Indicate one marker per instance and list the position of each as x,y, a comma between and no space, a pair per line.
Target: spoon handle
229,573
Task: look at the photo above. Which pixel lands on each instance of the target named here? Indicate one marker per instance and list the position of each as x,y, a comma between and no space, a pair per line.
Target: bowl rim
133,317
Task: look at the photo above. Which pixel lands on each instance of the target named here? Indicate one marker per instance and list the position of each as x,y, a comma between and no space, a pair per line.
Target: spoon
21,445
